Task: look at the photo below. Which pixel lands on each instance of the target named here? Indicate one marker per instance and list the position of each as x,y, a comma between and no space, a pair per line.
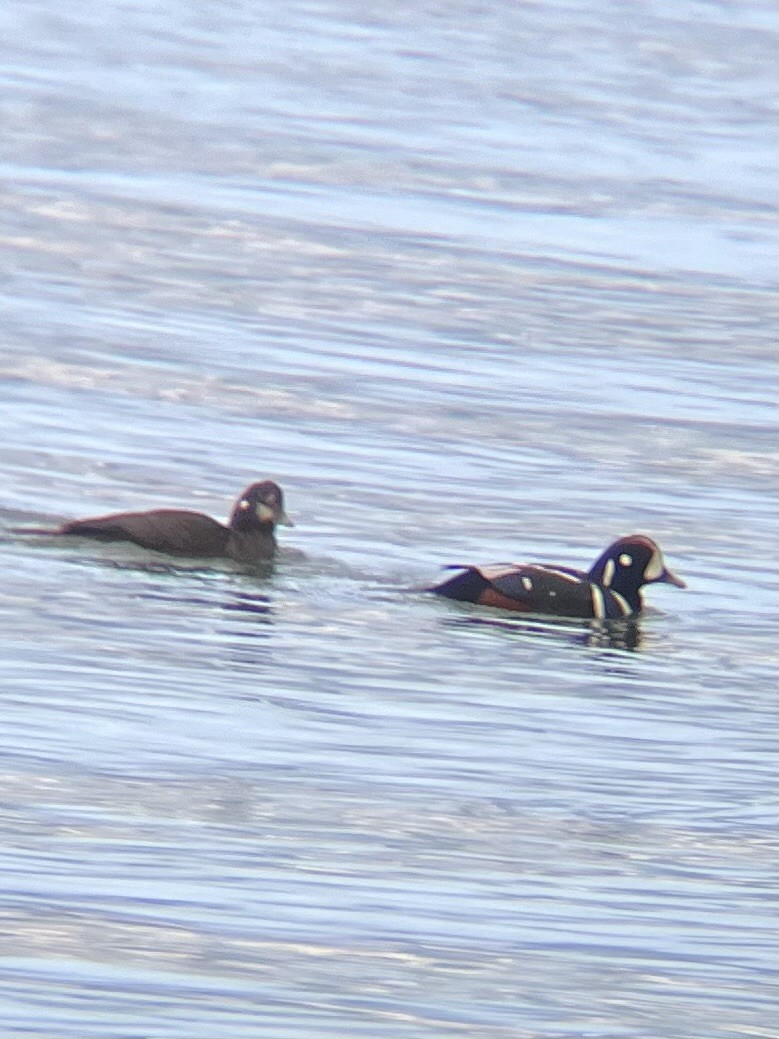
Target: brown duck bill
668,577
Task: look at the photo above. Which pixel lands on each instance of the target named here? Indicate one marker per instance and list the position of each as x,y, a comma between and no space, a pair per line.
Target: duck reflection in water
228,600
620,635
250,602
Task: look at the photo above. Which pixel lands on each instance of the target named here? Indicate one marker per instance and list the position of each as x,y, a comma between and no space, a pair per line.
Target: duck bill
283,519
669,577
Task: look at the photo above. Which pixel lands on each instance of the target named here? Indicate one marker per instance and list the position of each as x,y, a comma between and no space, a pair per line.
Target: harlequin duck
248,536
610,589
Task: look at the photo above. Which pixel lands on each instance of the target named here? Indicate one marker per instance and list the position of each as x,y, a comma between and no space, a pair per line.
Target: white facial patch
654,567
527,584
608,572
244,504
625,559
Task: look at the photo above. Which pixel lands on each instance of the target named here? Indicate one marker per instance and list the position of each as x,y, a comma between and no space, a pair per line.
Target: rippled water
473,282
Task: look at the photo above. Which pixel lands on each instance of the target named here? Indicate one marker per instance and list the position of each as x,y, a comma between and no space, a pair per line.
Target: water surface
472,283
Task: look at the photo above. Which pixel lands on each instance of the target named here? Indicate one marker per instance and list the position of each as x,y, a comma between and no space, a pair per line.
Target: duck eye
625,559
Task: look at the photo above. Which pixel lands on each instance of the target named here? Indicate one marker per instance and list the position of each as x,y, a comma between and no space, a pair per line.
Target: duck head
260,505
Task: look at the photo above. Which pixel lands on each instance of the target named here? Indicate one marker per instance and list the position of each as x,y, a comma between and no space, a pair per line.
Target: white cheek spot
625,559
527,584
654,567
244,504
608,572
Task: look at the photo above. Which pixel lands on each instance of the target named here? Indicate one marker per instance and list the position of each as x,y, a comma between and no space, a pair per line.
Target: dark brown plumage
247,538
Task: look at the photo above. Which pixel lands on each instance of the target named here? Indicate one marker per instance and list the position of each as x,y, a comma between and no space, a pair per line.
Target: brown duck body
248,537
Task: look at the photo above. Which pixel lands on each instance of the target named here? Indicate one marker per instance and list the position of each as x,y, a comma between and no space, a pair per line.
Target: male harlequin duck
610,590
248,536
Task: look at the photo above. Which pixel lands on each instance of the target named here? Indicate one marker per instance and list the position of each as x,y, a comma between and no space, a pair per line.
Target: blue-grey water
473,282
